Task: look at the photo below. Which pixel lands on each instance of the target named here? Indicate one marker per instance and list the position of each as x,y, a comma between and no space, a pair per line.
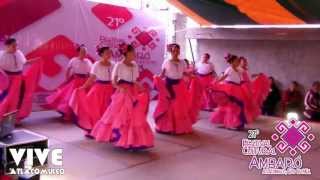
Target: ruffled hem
124,137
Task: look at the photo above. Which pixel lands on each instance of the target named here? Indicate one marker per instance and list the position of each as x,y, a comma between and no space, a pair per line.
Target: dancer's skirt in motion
124,123
59,100
173,111
88,107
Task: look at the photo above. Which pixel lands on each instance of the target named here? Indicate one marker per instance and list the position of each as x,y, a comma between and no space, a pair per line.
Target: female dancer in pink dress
17,94
230,97
12,62
172,114
206,74
260,85
124,123
77,74
88,107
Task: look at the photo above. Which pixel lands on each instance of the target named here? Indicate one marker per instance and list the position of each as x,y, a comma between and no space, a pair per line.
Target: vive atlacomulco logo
31,161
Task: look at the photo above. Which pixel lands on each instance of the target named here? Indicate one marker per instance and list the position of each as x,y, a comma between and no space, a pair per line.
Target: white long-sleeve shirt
12,62
125,72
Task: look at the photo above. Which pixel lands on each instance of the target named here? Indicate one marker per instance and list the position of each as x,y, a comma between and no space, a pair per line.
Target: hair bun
79,46
230,57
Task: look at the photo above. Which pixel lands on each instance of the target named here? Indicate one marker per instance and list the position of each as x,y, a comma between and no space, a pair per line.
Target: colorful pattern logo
293,136
144,38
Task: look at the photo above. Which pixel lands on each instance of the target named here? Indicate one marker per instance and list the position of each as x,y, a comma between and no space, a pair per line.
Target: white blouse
102,72
79,66
12,62
125,72
205,68
233,76
174,70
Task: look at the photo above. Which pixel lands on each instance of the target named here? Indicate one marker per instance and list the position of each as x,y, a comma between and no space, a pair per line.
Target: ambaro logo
34,161
292,138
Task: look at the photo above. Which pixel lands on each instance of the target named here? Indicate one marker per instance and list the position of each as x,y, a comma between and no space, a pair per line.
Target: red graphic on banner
112,16
144,38
4,2
23,13
58,46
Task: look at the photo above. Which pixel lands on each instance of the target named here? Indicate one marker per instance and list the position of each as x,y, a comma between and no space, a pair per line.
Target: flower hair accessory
98,47
228,56
123,48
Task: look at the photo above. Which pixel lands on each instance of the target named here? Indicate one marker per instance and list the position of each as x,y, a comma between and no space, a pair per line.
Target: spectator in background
292,99
270,104
312,102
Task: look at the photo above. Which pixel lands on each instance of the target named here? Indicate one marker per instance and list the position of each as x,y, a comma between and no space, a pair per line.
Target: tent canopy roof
235,12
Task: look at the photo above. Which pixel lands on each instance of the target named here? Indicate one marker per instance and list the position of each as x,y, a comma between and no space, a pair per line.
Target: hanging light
292,116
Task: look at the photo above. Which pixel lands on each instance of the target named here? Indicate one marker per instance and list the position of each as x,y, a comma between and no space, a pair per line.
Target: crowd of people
279,103
108,102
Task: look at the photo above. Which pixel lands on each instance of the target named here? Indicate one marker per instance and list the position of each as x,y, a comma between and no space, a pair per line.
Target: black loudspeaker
29,177
19,139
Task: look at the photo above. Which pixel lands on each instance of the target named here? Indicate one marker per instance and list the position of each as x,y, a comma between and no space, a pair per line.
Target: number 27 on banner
253,133
114,22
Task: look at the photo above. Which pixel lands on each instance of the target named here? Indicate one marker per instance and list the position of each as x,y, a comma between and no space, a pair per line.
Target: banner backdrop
50,29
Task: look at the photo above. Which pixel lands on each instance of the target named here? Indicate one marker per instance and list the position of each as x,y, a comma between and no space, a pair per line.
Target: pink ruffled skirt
172,114
88,107
60,99
124,123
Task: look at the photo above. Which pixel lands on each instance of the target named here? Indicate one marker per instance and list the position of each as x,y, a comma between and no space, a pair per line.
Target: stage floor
207,154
